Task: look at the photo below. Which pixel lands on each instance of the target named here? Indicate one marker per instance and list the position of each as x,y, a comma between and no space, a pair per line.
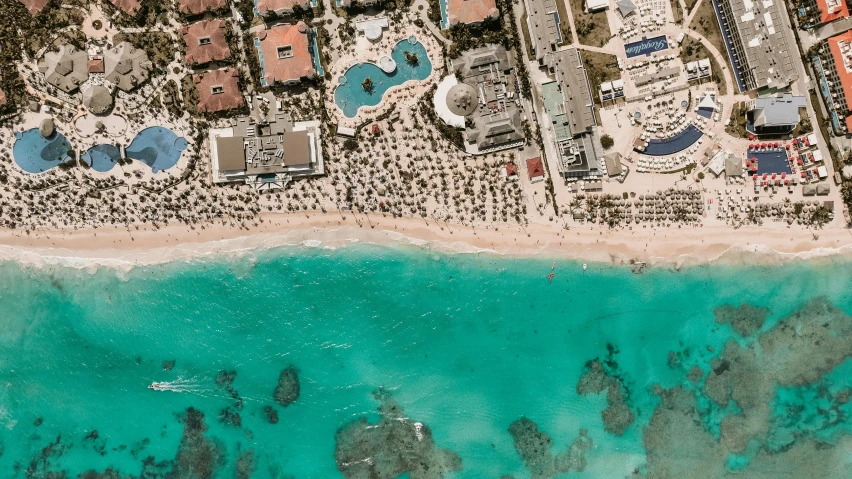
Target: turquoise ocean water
464,344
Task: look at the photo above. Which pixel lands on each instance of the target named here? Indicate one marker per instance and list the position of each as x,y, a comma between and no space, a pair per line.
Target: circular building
97,99
462,99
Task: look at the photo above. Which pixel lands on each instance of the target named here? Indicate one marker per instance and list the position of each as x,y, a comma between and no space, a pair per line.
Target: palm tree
367,84
411,58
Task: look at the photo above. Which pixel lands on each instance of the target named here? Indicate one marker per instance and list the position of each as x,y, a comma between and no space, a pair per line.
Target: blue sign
646,46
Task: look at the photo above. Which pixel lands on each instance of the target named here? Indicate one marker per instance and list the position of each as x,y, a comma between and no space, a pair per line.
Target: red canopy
773,176
754,178
804,175
786,182
783,175
764,176
795,141
751,137
776,144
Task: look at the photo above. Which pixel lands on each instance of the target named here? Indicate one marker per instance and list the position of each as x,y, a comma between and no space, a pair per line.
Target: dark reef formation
534,448
600,376
796,352
198,456
245,465
745,319
288,389
394,446
271,414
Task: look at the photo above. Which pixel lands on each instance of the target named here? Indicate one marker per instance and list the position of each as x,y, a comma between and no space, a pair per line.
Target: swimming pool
101,157
157,147
350,95
36,154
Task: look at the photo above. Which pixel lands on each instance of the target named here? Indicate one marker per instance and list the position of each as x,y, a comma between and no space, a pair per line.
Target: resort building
285,54
834,71
625,8
754,35
130,7
543,22
126,66
481,98
218,90
535,169
830,10
611,90
569,106
266,155
206,42
198,7
98,99
66,68
281,7
596,5
468,12
34,6
775,115
698,70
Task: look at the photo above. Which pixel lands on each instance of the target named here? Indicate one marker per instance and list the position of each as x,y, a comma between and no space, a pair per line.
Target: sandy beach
123,249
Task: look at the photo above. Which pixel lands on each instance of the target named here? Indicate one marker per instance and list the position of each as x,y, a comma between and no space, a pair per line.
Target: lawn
690,4
677,12
592,28
692,50
600,67
706,23
525,31
567,36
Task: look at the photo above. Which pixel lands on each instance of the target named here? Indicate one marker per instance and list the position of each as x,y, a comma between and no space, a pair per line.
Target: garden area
706,23
600,67
592,28
157,45
692,50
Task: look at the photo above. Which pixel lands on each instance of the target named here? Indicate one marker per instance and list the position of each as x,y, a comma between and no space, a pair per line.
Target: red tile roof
837,55
130,7
195,7
96,66
511,169
292,68
279,5
838,10
230,96
471,11
535,168
216,50
34,6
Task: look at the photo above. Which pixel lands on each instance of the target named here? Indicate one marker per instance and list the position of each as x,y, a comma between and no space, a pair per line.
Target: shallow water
464,344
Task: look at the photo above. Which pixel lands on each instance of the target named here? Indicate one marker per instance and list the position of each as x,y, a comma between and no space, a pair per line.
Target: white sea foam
332,238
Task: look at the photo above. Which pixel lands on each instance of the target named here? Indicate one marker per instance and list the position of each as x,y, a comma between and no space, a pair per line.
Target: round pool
36,154
350,94
101,158
157,147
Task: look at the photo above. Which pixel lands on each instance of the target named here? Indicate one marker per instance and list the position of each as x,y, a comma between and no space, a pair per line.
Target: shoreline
125,249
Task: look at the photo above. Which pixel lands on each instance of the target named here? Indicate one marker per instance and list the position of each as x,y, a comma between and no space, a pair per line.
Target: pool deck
367,52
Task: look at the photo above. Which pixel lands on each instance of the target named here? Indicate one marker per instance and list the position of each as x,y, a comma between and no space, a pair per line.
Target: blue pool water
101,157
674,144
157,147
350,96
466,344
36,154
770,161
646,46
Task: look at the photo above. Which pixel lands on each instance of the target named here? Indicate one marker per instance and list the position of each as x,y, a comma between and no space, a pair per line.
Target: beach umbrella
773,176
787,146
786,182
751,137
776,144
783,175
755,178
